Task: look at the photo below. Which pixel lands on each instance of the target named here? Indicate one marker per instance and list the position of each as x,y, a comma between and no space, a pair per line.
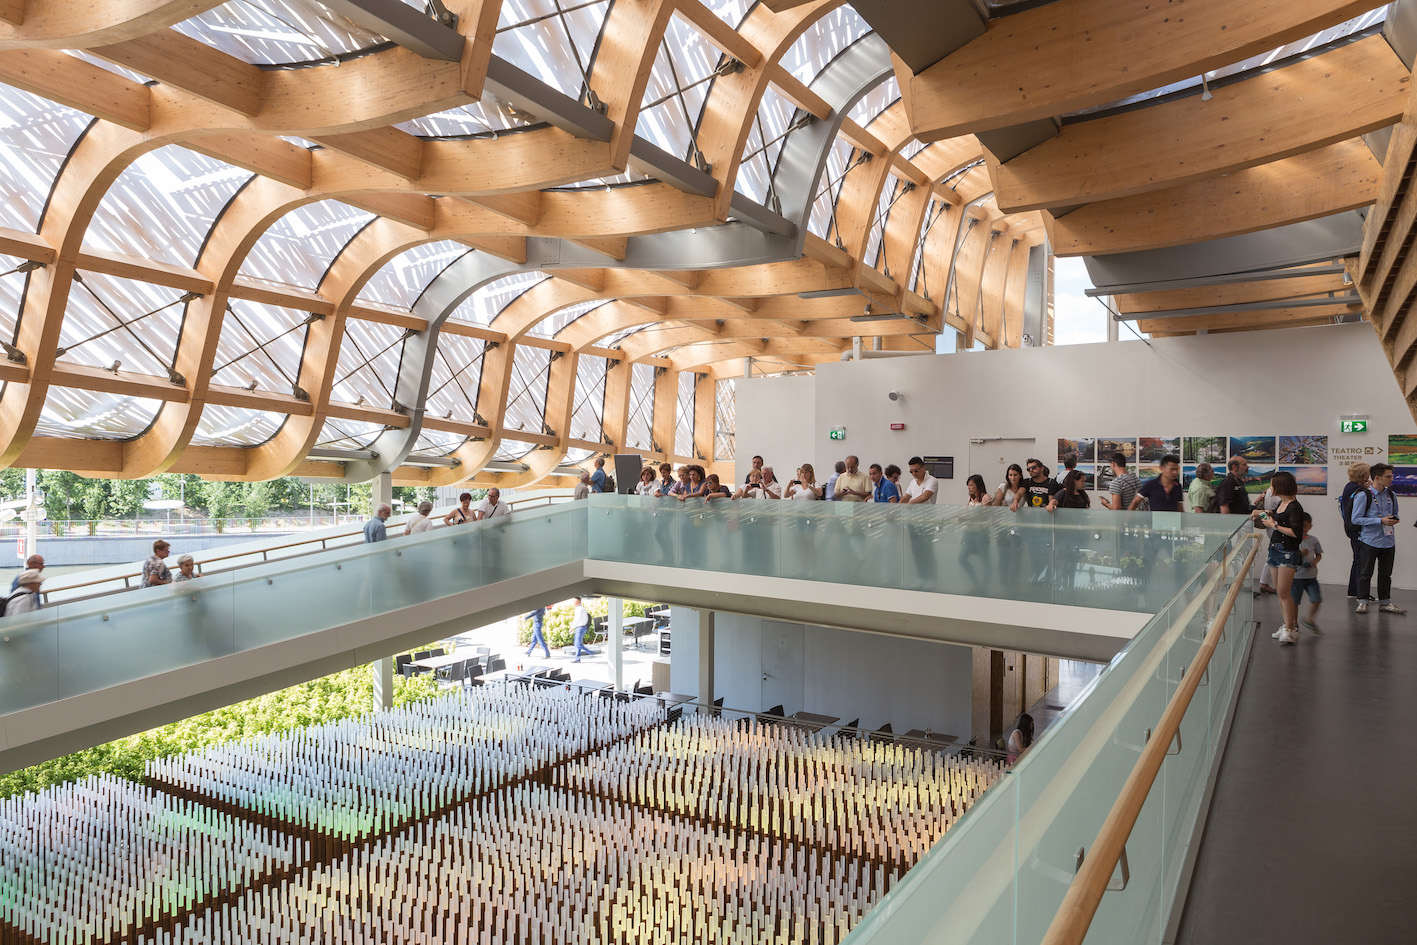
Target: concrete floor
1312,833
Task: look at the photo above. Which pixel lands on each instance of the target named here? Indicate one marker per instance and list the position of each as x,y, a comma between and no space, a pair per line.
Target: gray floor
1312,835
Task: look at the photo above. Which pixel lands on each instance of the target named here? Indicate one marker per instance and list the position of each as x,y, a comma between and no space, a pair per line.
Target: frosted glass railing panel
531,541
759,530
28,670
637,529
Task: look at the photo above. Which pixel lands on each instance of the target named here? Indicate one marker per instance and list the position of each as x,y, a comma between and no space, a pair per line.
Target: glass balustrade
1001,873
1132,561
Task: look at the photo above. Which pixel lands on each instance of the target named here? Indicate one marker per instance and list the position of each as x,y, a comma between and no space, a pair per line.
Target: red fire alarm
897,426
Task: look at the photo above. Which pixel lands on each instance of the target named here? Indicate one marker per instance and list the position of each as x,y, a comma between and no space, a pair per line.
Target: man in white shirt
580,623
26,596
853,485
771,487
492,506
922,486
583,488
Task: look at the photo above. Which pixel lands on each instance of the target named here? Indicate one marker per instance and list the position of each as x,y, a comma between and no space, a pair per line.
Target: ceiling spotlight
1205,89
113,368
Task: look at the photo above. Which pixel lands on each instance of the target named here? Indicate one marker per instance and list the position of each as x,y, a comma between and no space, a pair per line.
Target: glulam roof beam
1069,55
1341,94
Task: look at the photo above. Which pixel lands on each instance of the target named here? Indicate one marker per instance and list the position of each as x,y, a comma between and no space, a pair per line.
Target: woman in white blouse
805,485
646,484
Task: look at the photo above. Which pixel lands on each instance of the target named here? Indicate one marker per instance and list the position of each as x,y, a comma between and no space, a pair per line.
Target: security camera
895,395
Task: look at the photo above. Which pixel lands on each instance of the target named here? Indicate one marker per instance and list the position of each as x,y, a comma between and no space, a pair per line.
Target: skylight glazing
677,88
487,118
553,323
1315,41
94,415
456,378
627,177
368,370
487,302
108,320
765,137
511,451
348,434
554,41
823,41
36,135
435,443
526,395
725,418
639,431
12,290
684,416
235,426
163,206
840,159
919,281
278,32
298,248
588,411
260,345
874,102
401,280
894,189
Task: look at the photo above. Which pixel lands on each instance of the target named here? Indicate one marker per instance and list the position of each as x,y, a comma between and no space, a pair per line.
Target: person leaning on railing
155,570
26,595
186,569
463,513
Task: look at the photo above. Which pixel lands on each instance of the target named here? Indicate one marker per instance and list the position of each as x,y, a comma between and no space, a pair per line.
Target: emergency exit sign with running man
1353,426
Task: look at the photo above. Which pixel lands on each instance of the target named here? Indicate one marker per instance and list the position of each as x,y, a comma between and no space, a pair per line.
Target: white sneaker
1362,607
1278,634
1290,637
1391,609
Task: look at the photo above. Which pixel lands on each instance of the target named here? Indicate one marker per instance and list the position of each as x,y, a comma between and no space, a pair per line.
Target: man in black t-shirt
1231,494
1164,493
1039,490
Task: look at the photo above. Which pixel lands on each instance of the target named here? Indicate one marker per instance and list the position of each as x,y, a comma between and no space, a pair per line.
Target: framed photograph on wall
1311,480
1304,451
1257,480
1402,450
1188,474
1404,480
1254,449
1106,447
1089,475
1085,447
1205,449
1150,449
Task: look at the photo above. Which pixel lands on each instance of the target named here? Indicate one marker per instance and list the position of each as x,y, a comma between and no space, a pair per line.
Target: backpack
1212,505
609,483
1345,508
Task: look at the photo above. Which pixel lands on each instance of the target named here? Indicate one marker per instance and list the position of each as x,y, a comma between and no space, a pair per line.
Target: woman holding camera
1286,531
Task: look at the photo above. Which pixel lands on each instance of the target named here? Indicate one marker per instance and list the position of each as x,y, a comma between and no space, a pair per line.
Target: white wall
1294,381
848,674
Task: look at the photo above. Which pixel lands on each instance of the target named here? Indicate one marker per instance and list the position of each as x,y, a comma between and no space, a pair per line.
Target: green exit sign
1353,426
837,433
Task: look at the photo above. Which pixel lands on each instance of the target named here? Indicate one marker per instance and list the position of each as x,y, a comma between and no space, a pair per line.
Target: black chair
777,710
496,665
646,690
422,654
454,672
883,734
401,664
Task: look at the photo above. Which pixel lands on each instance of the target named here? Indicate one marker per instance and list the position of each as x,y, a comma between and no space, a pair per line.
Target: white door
991,458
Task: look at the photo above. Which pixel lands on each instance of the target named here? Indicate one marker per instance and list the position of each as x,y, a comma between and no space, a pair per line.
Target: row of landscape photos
1402,453
1306,457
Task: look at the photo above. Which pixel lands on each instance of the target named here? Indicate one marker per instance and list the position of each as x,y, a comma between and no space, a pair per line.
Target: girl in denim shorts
1286,533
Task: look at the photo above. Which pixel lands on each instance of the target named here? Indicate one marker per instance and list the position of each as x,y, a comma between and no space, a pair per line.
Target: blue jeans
537,639
581,648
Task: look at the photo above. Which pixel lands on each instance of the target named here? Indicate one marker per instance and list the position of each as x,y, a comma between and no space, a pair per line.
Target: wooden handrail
1075,915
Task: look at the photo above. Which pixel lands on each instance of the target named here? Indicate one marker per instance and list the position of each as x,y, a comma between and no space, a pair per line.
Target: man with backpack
1375,513
26,598
1357,482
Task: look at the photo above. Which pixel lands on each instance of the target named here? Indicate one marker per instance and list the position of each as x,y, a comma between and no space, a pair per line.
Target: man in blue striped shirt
1375,514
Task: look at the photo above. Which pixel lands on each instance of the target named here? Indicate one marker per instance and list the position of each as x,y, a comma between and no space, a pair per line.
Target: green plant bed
557,625
343,695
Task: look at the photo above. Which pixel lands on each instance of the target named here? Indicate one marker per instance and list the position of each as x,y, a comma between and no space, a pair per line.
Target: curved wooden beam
58,24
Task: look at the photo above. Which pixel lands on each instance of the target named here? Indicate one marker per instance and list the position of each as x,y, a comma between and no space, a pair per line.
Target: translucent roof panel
12,290
553,41
613,340
235,426
732,12
677,88
456,378
526,395
576,455
1372,18
588,411
485,303
892,191
486,118
639,432
874,102
513,450
919,281
163,206
760,151
298,248
278,32
36,135
725,418
260,344
553,323
110,319
913,147
684,416
823,41
435,443
369,358
840,159
95,415
629,176
401,280
348,434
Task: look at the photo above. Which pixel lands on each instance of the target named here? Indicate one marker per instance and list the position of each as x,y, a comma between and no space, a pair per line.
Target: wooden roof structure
495,237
